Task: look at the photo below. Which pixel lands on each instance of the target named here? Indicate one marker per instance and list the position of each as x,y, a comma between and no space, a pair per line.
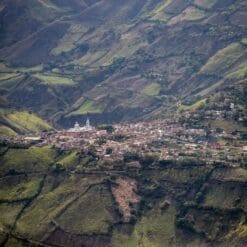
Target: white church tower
88,127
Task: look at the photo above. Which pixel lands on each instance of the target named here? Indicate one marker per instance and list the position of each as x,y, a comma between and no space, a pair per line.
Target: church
78,128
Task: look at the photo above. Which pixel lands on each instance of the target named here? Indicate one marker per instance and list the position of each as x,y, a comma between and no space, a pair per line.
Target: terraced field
90,205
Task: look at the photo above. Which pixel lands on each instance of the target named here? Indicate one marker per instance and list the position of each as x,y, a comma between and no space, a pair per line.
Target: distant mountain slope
118,60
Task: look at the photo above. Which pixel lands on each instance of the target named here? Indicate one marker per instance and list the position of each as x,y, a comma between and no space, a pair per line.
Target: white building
78,128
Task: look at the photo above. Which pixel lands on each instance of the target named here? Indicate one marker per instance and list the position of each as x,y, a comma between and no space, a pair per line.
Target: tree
109,151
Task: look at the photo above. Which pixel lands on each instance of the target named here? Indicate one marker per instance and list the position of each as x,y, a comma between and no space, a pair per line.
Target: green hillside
21,122
126,59
177,203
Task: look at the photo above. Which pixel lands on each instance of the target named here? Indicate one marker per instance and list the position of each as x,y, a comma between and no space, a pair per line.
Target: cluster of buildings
166,139
162,138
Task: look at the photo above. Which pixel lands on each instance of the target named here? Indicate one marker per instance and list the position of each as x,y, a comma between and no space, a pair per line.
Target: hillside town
164,139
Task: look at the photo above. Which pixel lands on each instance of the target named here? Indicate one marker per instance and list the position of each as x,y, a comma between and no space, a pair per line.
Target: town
163,139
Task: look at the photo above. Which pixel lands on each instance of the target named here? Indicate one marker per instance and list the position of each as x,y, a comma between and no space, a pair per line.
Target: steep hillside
50,197
118,60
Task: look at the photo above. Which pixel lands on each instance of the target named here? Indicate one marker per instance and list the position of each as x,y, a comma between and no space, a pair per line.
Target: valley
118,61
123,123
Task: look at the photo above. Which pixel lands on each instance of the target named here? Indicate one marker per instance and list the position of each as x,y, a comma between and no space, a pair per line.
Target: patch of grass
194,15
44,209
16,188
223,59
128,47
207,4
27,121
192,107
163,5
90,213
56,196
6,76
70,40
179,175
70,159
189,14
55,80
4,68
37,68
8,213
159,12
41,11
152,89
8,84
238,174
222,195
239,73
27,160
239,233
88,106
89,58
6,131
155,229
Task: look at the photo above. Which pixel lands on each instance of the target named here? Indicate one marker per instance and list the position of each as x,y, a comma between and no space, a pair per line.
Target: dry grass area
125,195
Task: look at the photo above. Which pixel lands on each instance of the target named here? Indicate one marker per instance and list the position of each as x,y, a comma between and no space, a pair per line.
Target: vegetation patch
42,11
11,82
55,80
159,12
89,58
183,175
70,160
69,41
88,106
222,195
239,233
54,198
239,73
6,131
18,188
223,59
155,229
207,4
189,14
238,174
8,213
6,76
193,107
90,214
152,89
27,121
26,160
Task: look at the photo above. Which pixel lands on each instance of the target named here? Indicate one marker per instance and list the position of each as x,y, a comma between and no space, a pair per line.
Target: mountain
177,180
118,60
50,197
